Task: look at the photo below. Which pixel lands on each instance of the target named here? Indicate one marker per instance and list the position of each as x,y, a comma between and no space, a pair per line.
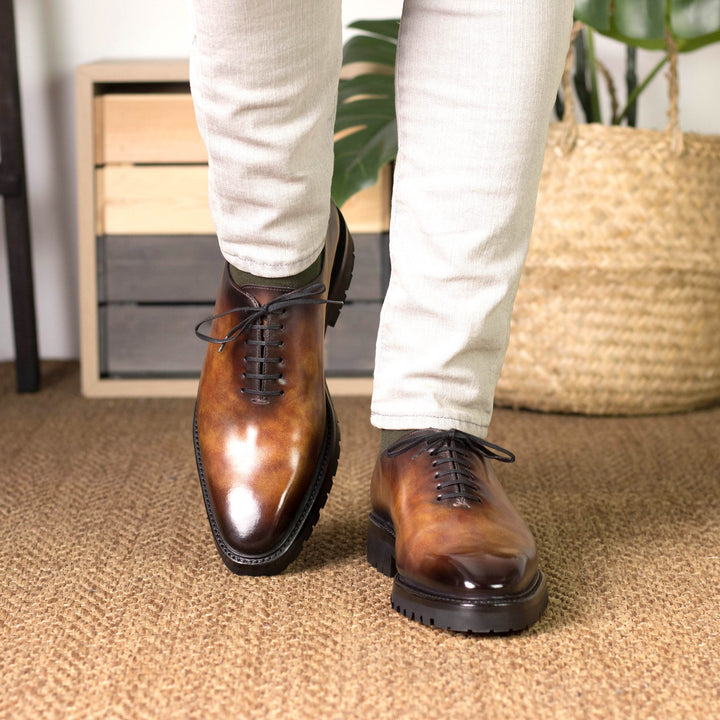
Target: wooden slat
159,268
128,71
147,128
172,199
367,279
147,340
87,260
350,346
176,70
162,199
369,210
158,340
187,388
186,268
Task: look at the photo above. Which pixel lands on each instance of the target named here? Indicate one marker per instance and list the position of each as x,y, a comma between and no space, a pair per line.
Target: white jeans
475,84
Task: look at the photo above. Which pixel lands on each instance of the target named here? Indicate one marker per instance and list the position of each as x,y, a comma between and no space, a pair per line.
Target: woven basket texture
618,310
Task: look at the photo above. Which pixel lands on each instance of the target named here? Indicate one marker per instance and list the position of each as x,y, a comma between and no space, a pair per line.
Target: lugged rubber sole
482,615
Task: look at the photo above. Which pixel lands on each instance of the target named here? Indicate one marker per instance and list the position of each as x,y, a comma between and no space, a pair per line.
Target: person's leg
264,77
476,83
475,86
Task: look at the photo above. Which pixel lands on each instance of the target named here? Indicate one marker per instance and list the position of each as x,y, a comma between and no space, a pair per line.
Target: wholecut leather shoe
266,436
462,557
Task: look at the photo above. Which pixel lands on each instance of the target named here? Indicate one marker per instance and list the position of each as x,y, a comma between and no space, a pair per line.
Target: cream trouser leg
476,80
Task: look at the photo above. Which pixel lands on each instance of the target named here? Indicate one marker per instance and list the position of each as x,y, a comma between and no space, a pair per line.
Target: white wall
54,36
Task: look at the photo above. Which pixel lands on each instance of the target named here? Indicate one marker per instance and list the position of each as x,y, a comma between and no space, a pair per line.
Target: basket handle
569,120
673,127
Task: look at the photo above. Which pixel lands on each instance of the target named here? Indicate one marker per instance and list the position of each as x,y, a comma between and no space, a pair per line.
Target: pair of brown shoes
267,445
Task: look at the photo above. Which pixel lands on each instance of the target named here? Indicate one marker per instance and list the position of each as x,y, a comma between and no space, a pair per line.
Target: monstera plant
366,126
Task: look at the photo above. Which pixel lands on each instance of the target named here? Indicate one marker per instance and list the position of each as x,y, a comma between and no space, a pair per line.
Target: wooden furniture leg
14,193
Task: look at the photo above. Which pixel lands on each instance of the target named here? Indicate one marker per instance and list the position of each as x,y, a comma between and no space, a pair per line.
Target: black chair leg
17,222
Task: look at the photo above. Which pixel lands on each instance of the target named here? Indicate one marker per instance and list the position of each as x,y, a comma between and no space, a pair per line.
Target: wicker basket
618,310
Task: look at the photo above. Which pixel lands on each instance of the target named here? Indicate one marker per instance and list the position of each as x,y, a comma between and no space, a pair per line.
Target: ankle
292,282
388,437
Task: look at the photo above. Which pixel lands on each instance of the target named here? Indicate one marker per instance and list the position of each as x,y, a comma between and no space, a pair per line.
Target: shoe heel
381,548
341,273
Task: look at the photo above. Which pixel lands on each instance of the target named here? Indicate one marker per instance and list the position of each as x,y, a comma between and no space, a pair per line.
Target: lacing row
257,318
452,451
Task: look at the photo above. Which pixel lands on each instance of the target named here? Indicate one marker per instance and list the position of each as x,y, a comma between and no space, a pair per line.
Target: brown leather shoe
266,436
462,557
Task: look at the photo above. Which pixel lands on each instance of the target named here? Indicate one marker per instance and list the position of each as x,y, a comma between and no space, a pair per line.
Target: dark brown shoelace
258,319
452,452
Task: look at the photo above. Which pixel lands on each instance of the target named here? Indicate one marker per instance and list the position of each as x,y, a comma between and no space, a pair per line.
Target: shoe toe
247,524
487,572
473,574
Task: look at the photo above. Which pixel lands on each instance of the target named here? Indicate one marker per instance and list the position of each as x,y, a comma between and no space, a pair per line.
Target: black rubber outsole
279,557
483,615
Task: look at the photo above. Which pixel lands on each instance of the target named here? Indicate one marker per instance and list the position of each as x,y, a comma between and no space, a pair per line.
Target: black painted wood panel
186,268
158,340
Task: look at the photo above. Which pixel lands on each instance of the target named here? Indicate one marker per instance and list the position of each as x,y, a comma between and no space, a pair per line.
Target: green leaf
368,111
359,157
695,18
367,84
366,107
383,28
595,13
640,19
686,45
641,23
362,48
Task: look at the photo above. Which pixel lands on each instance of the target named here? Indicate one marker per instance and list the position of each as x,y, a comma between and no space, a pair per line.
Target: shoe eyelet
438,498
437,487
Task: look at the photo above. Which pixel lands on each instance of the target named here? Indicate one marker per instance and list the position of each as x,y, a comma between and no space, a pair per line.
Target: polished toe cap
471,574
478,573
248,525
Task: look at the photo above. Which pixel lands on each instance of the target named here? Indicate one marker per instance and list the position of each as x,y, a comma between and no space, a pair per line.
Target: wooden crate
149,260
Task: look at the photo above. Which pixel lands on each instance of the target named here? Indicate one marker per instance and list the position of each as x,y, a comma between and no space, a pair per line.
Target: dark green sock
241,278
388,437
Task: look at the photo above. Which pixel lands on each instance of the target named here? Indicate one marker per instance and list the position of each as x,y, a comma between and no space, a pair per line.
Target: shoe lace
452,452
259,320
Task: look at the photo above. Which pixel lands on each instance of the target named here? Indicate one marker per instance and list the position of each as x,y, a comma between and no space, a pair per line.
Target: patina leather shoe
462,557
266,435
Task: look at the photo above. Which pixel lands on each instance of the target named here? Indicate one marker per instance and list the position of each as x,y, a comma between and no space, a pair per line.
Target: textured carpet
115,605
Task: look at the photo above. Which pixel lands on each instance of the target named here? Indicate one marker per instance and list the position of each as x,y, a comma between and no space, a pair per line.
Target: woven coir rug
115,605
